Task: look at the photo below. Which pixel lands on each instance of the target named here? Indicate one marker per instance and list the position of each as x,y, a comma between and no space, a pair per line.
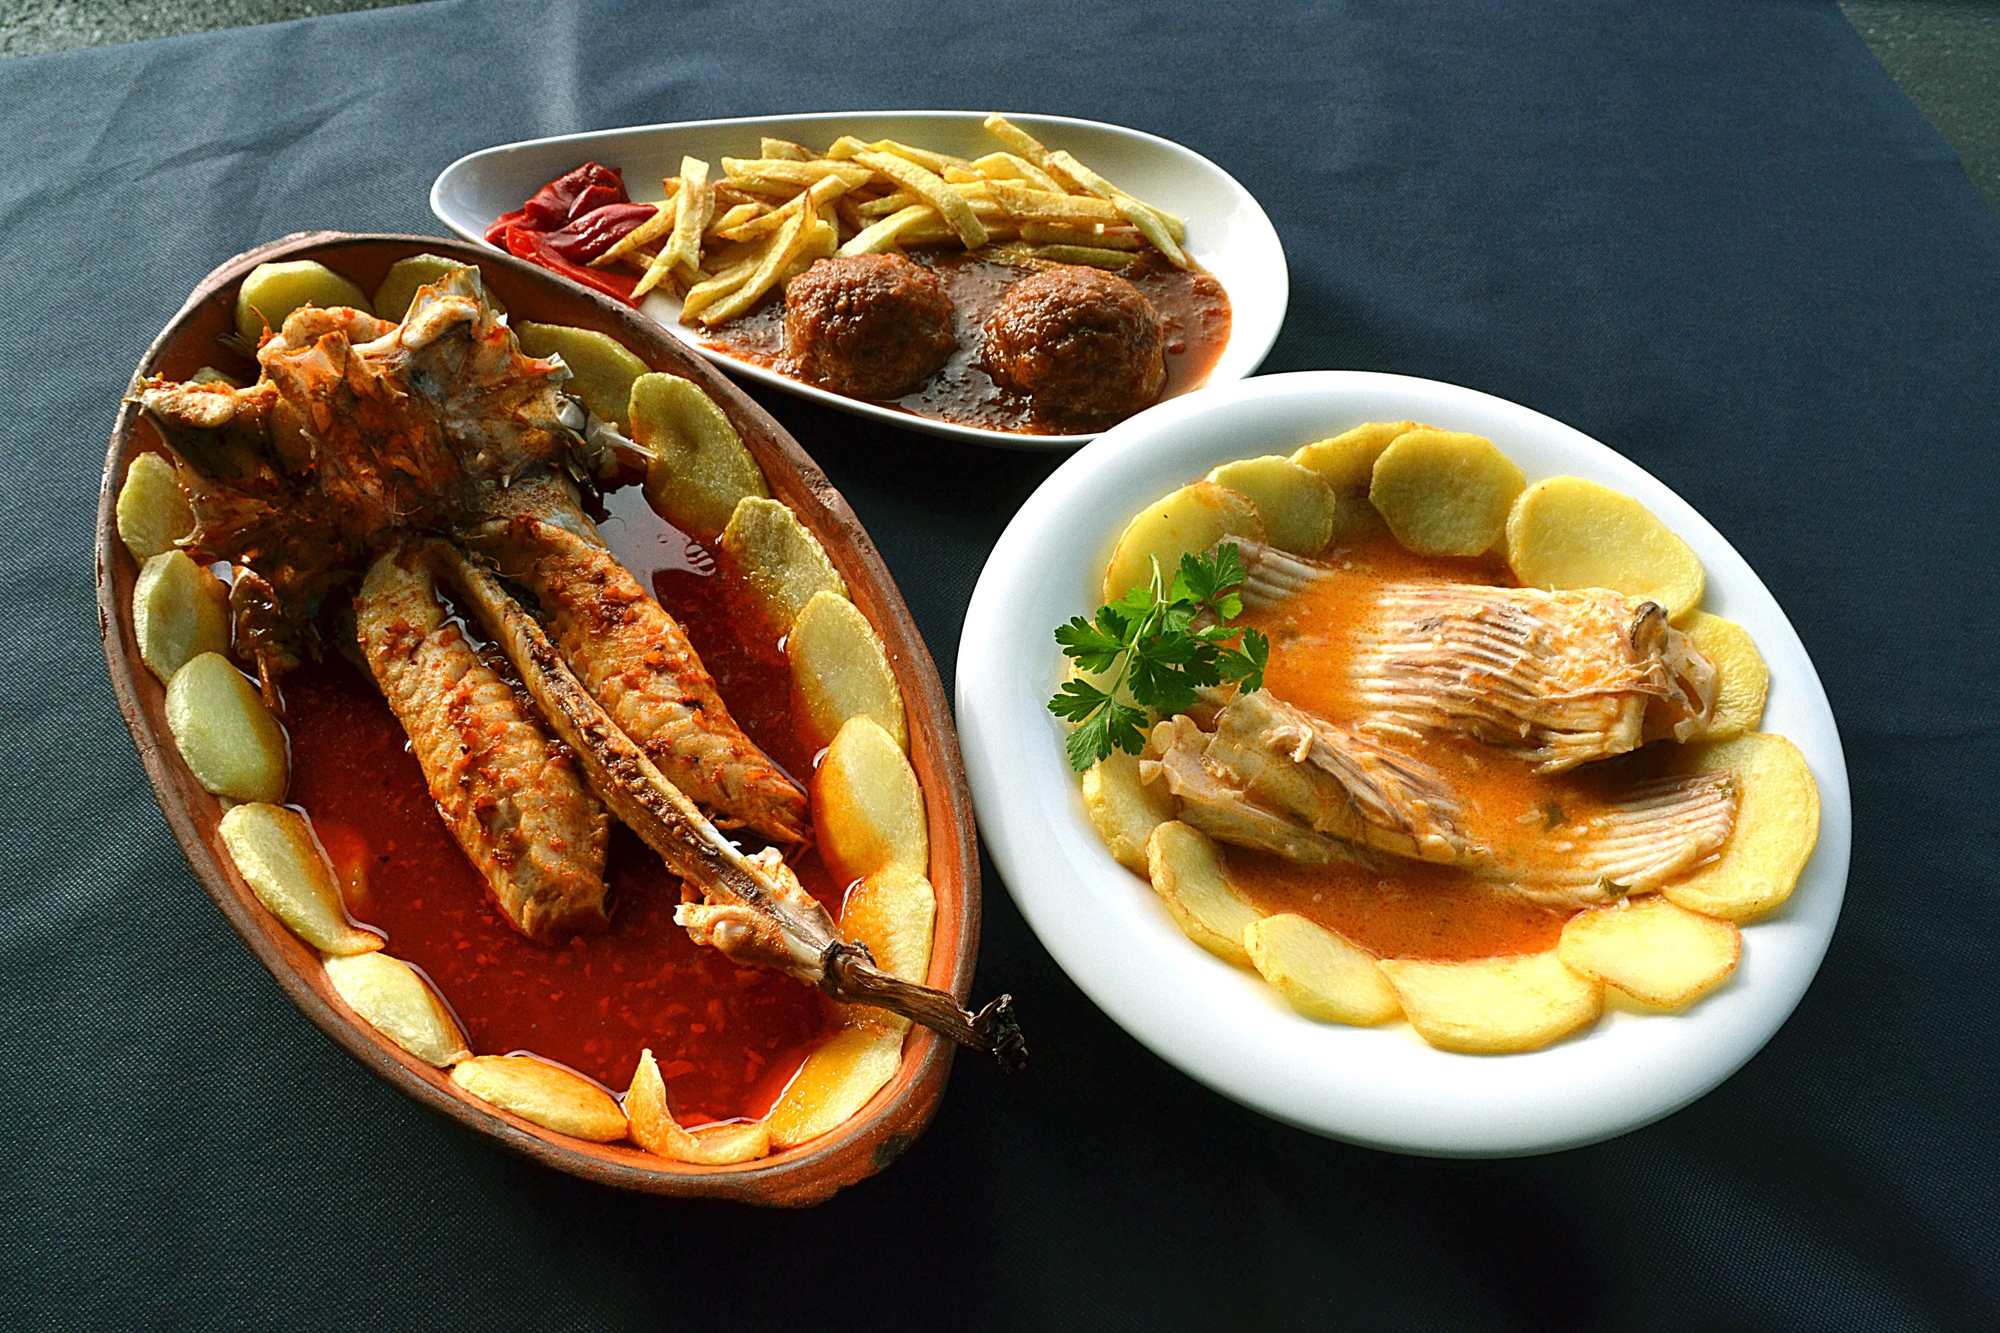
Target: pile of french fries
722,245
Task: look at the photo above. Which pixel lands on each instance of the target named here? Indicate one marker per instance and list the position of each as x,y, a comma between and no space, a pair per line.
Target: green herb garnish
1160,658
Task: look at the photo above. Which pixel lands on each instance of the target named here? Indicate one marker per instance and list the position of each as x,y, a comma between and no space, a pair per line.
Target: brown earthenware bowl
871,1138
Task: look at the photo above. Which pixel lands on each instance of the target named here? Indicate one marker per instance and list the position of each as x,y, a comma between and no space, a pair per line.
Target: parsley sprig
1160,658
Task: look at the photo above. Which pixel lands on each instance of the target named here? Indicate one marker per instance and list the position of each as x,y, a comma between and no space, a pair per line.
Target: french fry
707,292
932,189
923,157
1026,204
773,221
1083,233
1010,167
1153,225
655,1129
693,207
1089,182
883,235
846,146
785,148
735,216
893,202
1089,255
782,172
1018,139
646,232
767,272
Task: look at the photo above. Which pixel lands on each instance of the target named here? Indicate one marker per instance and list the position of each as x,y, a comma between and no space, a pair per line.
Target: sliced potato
837,1080
1346,462
700,469
1321,974
546,1094
275,852
867,807
152,512
399,287
655,1129
893,912
1295,504
601,370
1443,492
1565,532
273,291
398,1003
1488,1006
1193,518
780,557
1124,810
1655,952
210,375
1777,827
841,670
179,612
230,741
1744,681
1186,871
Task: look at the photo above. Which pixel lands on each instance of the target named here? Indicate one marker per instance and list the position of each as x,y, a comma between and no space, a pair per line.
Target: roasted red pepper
598,230
563,200
534,247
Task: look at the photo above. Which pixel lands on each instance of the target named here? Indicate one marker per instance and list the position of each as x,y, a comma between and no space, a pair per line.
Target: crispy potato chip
152,512
1745,680
1777,827
179,612
1657,953
1444,492
229,740
1489,1006
1186,871
601,368
836,1081
867,807
1193,519
546,1094
273,291
700,470
1565,532
782,559
655,1129
1124,810
399,286
893,912
1295,504
275,852
840,670
1321,974
397,1002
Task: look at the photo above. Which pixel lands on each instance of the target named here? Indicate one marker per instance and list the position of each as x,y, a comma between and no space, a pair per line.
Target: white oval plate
1227,232
1382,1087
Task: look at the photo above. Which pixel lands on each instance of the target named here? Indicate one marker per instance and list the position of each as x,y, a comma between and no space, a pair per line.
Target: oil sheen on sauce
1194,320
728,1039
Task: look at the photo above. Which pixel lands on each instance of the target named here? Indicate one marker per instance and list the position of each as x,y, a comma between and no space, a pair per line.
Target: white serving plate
1227,232
1382,1087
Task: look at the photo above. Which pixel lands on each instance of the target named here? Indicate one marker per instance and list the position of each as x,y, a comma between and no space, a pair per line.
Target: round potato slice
1490,1006
836,1081
228,738
273,291
152,512
1297,507
1346,462
1193,519
867,807
1187,873
1322,975
700,470
1443,492
546,1094
179,612
1124,810
399,287
1777,827
601,370
1655,952
399,1004
655,1129
840,670
1565,532
275,852
893,912
1744,681
780,557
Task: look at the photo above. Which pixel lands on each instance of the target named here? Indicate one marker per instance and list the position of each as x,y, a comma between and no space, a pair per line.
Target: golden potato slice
1488,1006
1346,462
655,1129
1124,810
397,1002
1655,952
179,612
210,375
275,852
399,287
840,670
601,370
1193,518
1321,974
273,291
152,512
837,1080
546,1094
1295,504
228,738
1777,827
1443,492
700,469
1186,871
1745,682
782,559
1565,532
867,807
893,912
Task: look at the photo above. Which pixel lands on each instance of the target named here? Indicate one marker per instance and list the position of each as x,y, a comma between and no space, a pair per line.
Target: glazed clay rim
886,1125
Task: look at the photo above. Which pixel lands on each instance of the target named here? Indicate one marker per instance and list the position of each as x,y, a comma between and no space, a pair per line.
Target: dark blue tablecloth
1714,236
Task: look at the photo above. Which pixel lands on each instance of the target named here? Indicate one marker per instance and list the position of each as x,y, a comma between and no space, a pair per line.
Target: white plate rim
1382,1087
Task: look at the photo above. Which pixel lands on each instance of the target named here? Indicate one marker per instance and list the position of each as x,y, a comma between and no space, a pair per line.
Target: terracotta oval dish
869,1138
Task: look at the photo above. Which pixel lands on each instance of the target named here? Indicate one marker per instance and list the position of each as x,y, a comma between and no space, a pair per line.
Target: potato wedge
546,1094
152,512
837,1080
1490,1006
1193,518
1124,810
700,470
1745,682
655,1129
1777,827
1295,505
228,738
399,286
1655,952
867,807
1186,871
1319,973
1346,462
893,912
1565,532
601,369
1443,492
179,612
397,1002
780,557
840,670
273,291
275,852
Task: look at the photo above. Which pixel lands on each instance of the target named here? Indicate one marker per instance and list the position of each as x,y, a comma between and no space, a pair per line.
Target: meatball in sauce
869,326
1083,346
